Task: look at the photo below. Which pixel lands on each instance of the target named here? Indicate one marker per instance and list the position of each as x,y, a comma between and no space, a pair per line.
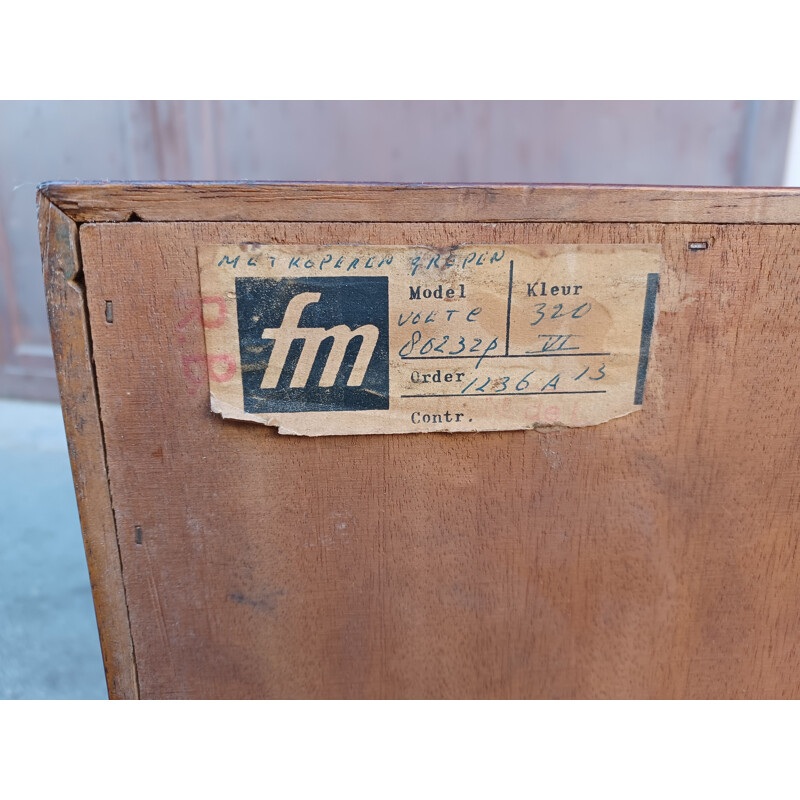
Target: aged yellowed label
350,339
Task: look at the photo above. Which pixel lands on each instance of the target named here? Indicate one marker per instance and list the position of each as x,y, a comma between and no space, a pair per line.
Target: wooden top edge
420,202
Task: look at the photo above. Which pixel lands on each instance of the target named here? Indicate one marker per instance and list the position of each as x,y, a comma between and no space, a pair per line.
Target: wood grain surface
333,202
66,305
653,556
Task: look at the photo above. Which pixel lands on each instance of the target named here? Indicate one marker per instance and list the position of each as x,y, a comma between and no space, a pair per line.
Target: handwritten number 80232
430,346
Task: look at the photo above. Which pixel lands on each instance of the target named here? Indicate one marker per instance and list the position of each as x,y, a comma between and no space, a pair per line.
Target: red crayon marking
198,370
197,312
230,368
195,372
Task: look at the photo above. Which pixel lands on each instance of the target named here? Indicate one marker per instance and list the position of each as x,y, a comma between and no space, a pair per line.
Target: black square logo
314,344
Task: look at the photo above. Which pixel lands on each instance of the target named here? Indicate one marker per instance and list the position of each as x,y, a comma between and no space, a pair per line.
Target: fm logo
314,344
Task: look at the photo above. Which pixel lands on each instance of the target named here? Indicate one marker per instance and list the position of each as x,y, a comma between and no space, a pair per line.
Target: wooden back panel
650,556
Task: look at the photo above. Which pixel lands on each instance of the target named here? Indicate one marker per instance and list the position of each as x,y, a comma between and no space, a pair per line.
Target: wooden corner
69,327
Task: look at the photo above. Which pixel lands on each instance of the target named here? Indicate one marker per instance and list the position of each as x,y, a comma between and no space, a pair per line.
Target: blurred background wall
707,143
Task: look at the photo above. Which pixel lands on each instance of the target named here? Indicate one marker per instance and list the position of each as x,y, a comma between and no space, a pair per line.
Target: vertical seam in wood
77,380
95,387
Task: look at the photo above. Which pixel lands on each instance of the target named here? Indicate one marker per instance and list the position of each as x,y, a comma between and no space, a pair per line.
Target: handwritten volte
371,339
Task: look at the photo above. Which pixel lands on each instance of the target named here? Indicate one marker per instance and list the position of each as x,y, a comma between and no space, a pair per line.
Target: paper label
357,339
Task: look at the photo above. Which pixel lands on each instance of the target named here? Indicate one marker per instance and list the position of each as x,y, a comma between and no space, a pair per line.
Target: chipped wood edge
69,327
371,202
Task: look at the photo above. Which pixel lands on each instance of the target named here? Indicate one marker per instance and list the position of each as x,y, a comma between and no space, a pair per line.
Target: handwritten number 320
558,312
